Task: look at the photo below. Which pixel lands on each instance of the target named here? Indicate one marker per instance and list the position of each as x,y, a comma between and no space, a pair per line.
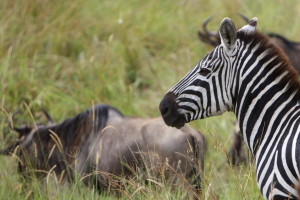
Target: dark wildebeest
238,150
290,48
102,141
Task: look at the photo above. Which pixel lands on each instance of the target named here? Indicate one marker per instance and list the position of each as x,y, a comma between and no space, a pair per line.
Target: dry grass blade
157,183
140,188
61,176
14,154
48,174
57,141
51,152
28,194
31,115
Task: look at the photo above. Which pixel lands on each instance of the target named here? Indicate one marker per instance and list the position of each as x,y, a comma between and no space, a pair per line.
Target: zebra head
207,90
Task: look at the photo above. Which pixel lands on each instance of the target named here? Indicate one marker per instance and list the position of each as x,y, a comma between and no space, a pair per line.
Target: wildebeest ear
250,27
23,130
227,33
49,118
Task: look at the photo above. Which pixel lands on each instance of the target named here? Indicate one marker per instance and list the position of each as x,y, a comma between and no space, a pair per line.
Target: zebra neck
260,112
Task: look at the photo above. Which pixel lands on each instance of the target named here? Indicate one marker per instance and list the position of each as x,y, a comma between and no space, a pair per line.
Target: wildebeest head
25,144
25,132
42,147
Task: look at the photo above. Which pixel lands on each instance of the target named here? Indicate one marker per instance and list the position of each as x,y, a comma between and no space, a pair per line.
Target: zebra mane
266,43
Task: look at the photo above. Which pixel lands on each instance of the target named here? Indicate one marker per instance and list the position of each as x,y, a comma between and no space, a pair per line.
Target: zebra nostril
168,106
164,110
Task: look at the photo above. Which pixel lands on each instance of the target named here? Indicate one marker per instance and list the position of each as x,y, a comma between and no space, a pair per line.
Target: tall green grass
66,55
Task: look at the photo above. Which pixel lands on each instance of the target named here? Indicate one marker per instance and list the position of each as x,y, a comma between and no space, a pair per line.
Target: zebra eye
204,72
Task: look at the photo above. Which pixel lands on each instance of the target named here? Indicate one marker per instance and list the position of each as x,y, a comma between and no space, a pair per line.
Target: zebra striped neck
266,103
265,81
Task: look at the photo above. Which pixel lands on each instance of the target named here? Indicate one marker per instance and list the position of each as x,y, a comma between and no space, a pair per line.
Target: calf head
27,148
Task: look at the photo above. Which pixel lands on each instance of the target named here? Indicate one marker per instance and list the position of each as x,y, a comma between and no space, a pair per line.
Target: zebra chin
169,111
176,121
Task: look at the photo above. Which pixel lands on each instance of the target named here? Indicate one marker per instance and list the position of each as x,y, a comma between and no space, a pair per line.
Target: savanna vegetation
65,56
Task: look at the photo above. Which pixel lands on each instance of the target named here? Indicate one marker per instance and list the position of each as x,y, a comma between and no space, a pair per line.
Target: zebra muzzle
169,111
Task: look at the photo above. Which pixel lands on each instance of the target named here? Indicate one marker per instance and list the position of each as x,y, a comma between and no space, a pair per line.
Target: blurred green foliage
65,56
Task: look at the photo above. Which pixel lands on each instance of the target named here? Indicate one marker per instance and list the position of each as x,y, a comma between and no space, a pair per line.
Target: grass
64,56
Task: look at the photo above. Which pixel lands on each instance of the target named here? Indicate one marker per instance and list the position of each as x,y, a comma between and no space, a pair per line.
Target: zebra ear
250,27
227,33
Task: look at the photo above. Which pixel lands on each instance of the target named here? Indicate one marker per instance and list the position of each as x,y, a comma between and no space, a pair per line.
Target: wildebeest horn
244,17
209,37
49,118
20,130
205,29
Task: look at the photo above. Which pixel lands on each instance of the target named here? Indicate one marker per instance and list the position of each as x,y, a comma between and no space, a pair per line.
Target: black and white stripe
249,75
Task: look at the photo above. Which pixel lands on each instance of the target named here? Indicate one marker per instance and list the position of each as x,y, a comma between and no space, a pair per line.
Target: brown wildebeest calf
101,142
238,151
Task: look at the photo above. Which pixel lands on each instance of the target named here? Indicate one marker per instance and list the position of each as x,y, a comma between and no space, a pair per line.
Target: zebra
250,76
